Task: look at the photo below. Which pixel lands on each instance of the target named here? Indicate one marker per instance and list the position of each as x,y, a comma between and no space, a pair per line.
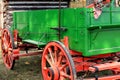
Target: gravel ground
27,68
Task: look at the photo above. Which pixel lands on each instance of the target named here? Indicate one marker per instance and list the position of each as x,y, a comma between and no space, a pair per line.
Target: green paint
86,34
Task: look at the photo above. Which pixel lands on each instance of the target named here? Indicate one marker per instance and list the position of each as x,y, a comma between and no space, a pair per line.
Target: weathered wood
78,4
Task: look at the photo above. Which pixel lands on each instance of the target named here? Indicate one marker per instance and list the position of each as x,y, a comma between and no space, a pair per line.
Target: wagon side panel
21,23
104,32
36,26
74,21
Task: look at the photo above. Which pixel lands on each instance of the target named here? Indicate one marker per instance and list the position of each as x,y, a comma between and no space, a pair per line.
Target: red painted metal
27,54
105,66
85,63
72,52
116,71
112,77
65,41
55,63
75,53
7,48
16,52
15,34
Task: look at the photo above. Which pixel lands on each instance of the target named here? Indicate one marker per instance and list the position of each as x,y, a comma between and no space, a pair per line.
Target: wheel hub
54,73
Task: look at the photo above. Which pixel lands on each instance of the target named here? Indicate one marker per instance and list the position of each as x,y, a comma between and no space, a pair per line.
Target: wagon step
105,66
34,42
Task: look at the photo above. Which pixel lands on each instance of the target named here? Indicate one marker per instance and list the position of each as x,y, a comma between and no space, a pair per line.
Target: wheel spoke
65,75
6,38
10,60
5,41
9,44
49,61
7,59
59,60
50,51
10,49
55,54
63,66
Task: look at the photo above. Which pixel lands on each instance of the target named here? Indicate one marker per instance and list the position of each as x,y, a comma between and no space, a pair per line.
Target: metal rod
59,19
28,54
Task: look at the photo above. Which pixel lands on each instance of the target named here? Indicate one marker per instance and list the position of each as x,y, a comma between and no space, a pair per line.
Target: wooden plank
78,4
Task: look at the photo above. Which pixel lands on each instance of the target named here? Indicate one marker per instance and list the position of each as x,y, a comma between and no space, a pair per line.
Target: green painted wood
86,34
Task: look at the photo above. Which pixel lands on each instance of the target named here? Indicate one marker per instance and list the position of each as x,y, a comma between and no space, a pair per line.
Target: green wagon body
86,34
75,43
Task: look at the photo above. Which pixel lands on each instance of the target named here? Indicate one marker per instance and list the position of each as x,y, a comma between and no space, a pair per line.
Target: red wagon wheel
57,63
7,48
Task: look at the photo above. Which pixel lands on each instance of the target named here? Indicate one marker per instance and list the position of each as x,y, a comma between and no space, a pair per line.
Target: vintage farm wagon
75,42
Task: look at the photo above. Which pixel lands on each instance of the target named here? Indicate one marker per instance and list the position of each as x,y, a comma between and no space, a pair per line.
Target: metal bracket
59,29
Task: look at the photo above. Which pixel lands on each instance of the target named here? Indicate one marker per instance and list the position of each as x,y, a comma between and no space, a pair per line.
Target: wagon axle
17,53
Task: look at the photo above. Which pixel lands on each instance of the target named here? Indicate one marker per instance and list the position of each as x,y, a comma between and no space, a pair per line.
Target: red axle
16,53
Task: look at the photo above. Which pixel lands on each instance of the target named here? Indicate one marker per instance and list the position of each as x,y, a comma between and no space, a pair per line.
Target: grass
27,68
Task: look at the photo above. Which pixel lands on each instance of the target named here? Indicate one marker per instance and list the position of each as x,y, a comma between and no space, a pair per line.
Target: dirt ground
27,68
